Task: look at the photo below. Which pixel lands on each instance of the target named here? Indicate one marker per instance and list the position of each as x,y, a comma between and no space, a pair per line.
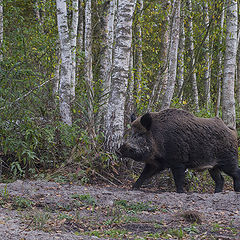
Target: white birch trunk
130,100
65,75
181,57
1,29
172,69
207,59
238,69
80,39
1,55
106,58
120,72
194,76
40,11
73,35
160,84
57,73
220,57
238,76
139,56
228,100
37,11
88,59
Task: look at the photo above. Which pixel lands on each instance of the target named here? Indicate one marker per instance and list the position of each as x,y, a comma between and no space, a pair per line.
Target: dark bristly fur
178,140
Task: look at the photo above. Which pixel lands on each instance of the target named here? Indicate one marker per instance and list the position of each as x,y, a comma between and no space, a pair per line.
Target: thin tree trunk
40,11
138,53
238,70
1,29
129,106
107,52
1,55
220,57
160,84
172,57
120,73
88,61
73,35
238,76
37,11
181,57
207,59
192,54
80,37
228,100
65,75
57,73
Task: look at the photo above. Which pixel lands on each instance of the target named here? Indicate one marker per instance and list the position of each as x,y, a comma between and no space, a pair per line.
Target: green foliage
4,196
29,144
5,193
136,207
65,216
40,220
21,203
32,137
85,200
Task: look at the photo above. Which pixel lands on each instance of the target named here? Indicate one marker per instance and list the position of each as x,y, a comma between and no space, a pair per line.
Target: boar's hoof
180,191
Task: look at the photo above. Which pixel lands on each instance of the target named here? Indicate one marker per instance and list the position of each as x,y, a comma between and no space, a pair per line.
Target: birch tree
1,29
80,26
220,59
65,75
130,105
73,36
139,54
107,51
192,55
228,100
174,41
160,84
121,61
57,72
39,10
238,75
1,55
207,58
88,59
181,48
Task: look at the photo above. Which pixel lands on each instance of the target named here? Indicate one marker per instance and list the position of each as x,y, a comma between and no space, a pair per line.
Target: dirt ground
49,210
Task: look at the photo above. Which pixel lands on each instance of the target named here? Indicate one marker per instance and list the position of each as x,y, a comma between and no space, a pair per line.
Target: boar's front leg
148,171
179,175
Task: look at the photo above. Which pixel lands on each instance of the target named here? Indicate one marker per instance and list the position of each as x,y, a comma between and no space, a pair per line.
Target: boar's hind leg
218,179
179,175
233,172
148,171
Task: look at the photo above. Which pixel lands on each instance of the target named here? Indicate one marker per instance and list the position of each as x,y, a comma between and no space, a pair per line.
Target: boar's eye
146,121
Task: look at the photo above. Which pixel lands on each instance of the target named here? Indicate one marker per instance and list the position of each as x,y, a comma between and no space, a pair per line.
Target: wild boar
178,140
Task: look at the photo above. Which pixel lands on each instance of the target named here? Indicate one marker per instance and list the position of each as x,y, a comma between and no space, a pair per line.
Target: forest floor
42,209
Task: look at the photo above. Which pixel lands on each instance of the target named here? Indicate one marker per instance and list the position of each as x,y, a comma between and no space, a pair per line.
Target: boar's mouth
126,151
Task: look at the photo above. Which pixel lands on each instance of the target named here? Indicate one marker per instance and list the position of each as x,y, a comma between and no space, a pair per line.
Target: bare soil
49,210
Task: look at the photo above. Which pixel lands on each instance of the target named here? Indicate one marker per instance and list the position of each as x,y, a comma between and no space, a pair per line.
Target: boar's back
196,142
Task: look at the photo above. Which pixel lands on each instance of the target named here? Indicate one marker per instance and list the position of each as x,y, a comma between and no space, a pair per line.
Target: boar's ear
133,117
146,121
